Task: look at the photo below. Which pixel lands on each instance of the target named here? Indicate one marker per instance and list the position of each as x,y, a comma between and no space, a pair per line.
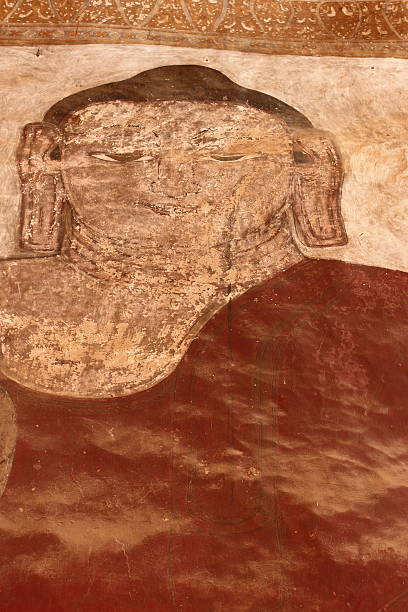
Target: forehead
167,119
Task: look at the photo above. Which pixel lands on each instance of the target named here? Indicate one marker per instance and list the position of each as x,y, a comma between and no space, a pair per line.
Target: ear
42,189
317,186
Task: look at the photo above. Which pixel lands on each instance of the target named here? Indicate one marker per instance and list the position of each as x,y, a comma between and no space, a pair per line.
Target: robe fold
268,472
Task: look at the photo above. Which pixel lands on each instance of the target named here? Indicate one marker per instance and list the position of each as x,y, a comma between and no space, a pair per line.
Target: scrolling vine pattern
252,21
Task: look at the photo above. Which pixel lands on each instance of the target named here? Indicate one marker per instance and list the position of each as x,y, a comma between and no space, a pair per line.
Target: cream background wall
362,102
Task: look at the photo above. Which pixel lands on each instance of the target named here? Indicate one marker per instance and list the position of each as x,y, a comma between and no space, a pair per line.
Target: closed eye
120,157
226,158
232,158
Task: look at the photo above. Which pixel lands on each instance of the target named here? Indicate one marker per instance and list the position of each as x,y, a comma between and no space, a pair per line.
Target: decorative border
306,27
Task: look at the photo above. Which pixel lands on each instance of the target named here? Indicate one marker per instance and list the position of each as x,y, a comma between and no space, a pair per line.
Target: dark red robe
268,472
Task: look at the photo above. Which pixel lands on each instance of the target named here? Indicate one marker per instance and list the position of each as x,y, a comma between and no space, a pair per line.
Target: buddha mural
163,219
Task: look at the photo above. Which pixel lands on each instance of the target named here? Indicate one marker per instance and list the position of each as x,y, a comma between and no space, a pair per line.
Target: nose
174,177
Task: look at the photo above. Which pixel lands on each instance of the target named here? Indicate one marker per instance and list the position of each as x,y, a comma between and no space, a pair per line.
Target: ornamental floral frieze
260,25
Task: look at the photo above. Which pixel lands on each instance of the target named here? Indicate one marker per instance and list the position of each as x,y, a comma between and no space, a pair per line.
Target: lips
175,193
169,204
160,210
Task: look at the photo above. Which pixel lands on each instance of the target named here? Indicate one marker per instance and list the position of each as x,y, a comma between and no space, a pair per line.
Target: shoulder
21,280
39,281
43,289
323,295
365,279
373,292
49,316
316,282
28,271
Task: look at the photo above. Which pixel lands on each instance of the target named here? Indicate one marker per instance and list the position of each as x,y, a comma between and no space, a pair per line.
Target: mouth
192,191
170,208
159,210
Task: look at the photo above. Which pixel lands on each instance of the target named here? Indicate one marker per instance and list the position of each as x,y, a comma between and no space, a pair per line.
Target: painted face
176,171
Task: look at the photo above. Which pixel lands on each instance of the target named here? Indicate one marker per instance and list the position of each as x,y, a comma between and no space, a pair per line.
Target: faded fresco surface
208,420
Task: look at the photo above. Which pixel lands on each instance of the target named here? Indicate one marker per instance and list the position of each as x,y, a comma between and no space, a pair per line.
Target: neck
120,261
265,258
159,300
232,271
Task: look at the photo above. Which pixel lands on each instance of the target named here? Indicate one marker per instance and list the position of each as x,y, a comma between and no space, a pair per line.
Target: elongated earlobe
317,191
42,190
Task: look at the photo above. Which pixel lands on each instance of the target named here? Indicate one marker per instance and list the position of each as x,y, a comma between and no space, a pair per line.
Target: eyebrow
211,136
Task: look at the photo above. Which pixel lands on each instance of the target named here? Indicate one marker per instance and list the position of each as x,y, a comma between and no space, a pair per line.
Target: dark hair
189,82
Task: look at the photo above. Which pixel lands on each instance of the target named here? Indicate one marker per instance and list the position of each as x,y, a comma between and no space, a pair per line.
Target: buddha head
178,155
